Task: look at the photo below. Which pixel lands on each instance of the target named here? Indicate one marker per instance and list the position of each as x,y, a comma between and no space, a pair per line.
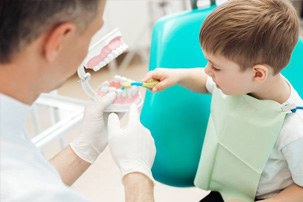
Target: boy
254,140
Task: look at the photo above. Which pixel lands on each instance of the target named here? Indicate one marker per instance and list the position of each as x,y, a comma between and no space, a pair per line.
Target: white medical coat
25,174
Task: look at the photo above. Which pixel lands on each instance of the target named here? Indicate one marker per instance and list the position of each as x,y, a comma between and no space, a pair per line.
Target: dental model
124,96
99,55
105,50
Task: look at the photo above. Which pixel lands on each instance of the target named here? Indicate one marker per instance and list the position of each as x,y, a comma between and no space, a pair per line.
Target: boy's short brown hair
250,32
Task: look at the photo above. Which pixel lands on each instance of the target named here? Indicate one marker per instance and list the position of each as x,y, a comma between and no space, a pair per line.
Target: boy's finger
148,76
161,86
156,74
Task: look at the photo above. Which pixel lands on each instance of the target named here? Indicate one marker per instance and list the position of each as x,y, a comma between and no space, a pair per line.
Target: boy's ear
56,39
260,73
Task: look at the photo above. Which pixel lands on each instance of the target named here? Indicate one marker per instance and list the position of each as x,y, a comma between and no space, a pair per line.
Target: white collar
13,113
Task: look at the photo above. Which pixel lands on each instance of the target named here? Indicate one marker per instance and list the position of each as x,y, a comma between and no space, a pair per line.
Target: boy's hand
166,78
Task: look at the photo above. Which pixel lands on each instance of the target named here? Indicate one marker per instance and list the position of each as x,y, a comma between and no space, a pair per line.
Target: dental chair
177,117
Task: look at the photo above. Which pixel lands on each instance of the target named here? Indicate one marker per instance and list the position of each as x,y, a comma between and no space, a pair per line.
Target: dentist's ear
56,38
260,73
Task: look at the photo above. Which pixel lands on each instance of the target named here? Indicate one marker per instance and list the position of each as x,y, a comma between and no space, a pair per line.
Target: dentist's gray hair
22,21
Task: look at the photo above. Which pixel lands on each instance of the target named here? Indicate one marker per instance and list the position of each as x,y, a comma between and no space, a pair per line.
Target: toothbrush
149,84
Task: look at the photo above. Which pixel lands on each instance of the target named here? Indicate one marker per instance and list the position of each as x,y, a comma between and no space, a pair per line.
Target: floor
102,181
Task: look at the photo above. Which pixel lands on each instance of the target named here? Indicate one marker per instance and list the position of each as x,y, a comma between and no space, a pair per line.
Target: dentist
42,42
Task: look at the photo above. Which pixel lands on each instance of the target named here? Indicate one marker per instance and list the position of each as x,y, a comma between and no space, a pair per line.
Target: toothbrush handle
150,84
136,83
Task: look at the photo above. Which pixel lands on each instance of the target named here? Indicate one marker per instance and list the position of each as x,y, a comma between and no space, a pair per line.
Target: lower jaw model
124,96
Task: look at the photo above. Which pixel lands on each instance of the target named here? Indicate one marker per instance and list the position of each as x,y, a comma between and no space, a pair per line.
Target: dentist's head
43,42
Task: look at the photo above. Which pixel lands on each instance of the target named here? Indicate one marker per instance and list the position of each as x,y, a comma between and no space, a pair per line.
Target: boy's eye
214,68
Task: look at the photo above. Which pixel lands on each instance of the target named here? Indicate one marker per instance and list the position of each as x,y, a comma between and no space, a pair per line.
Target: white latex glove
132,148
93,138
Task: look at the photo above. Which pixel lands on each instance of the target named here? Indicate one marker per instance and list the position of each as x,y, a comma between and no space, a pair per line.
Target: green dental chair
178,117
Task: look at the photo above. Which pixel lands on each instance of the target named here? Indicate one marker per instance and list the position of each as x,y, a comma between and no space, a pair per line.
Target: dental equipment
100,54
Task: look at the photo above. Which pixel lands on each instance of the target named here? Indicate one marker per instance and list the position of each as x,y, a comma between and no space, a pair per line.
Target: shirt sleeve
293,155
210,85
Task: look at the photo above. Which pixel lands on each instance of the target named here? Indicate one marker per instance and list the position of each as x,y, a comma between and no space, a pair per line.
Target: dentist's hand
166,77
93,139
133,147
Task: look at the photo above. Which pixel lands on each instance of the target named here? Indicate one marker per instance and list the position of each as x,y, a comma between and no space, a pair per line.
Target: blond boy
247,43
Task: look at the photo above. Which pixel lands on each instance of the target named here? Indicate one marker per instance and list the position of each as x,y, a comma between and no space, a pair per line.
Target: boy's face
228,76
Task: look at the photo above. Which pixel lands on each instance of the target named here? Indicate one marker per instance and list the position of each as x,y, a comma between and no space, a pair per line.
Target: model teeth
118,78
106,61
129,93
123,93
115,86
112,89
118,92
105,83
134,90
116,52
104,89
110,57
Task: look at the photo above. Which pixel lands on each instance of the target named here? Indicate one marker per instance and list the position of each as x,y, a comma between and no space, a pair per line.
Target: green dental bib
240,136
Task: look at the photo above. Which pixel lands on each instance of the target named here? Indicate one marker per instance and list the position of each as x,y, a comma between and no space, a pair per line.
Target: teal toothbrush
149,84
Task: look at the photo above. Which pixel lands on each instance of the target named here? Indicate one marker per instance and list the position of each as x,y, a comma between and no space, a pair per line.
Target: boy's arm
191,78
292,193
194,79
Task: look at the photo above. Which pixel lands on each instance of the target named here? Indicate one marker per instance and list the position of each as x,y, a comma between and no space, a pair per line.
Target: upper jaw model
115,47
105,50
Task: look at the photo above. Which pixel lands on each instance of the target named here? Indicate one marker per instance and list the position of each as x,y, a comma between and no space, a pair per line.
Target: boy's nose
208,71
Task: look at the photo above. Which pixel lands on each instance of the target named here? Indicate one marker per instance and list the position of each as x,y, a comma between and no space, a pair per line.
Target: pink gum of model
113,45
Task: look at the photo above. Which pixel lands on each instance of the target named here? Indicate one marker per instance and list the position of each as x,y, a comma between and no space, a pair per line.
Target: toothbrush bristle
126,84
